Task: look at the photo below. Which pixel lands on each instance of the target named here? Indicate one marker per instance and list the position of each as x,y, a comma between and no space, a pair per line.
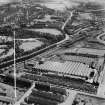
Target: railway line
48,50
99,38
42,52
23,58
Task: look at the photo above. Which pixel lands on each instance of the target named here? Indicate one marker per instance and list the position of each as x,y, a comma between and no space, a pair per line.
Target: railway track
30,56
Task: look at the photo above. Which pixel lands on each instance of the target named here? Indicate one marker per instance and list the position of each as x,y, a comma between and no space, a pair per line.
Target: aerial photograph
52,52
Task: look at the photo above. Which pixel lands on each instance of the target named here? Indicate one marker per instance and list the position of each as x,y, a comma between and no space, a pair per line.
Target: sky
61,2
6,1
97,1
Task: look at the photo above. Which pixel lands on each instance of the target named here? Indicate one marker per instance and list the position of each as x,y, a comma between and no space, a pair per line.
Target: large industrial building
66,68
74,65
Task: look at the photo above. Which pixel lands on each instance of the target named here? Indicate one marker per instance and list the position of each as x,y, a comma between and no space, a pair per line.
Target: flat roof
83,50
91,51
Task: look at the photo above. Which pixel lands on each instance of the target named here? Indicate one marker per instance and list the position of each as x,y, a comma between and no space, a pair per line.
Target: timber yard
52,53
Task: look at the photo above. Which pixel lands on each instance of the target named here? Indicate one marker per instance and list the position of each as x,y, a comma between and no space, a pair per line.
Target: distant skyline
7,1
65,1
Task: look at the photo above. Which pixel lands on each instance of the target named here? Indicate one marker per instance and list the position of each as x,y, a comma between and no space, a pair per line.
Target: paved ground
25,95
71,97
101,91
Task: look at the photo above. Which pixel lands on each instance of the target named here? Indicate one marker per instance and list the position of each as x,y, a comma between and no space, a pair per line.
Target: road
21,65
23,57
99,38
69,18
55,48
89,11
63,41
25,95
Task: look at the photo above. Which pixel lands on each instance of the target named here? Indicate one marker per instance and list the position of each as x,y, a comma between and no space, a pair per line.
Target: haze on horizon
58,4
7,1
63,4
100,1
